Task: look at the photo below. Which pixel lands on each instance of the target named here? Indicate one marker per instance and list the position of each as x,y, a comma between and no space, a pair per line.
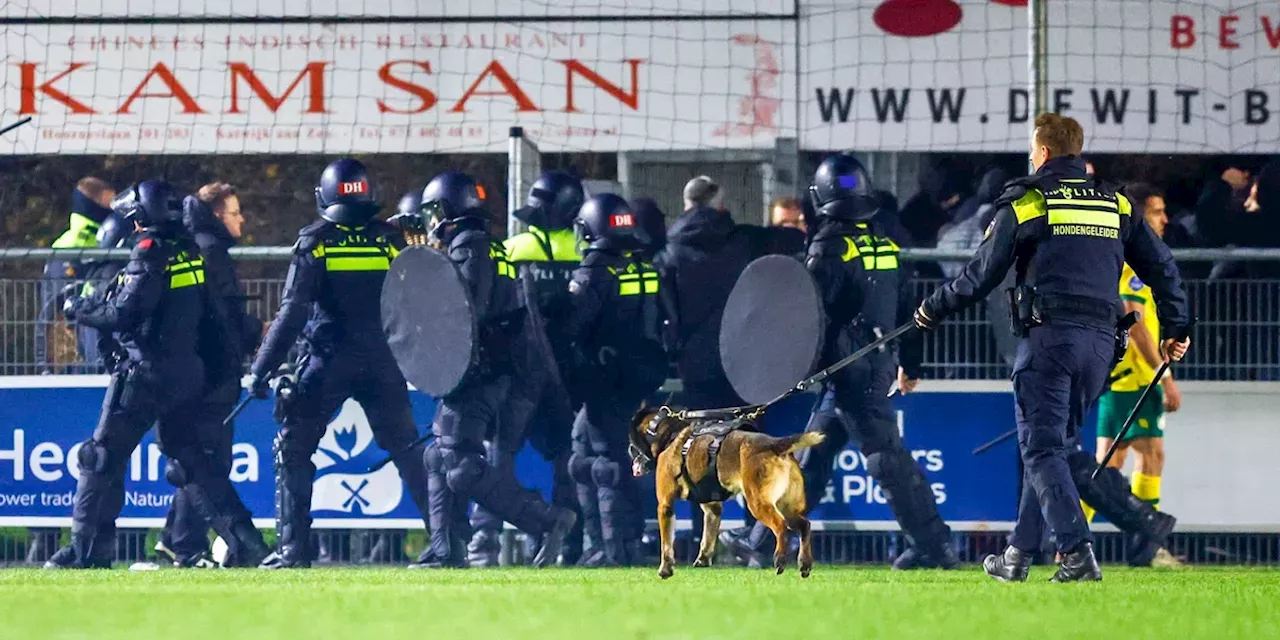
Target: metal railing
1237,337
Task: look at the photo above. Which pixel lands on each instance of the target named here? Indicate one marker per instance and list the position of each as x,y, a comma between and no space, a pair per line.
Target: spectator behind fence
942,188
1221,205
787,212
90,207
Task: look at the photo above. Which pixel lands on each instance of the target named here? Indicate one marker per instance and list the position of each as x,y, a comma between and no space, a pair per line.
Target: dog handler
1069,237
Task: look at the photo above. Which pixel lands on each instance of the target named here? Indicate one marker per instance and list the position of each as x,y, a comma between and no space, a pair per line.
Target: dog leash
751,412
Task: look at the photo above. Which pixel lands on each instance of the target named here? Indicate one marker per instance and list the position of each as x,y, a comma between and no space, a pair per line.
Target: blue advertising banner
44,419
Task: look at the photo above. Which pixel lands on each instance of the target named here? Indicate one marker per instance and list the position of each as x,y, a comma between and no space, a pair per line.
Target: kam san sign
368,87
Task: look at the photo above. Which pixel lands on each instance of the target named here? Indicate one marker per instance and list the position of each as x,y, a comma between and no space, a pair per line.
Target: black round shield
429,320
771,333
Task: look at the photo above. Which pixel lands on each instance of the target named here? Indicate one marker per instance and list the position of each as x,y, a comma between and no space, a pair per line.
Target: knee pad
464,471
888,465
580,469
92,456
605,472
432,460
175,473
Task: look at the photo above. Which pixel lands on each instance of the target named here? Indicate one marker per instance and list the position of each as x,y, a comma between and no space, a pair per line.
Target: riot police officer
184,538
617,327
545,257
1069,235
496,393
332,297
173,333
862,285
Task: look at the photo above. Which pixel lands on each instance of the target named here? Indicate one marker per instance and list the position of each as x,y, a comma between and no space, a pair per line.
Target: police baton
248,397
981,449
1133,414
391,458
15,125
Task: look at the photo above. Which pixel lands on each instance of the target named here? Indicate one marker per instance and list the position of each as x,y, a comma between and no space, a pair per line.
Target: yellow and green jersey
1133,372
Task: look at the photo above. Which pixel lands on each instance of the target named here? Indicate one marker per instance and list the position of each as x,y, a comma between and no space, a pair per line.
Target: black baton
15,125
995,441
1133,415
390,458
238,409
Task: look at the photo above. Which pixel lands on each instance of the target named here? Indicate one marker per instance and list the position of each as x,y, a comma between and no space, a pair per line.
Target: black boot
1079,566
946,559
429,560
67,558
553,540
247,548
484,549
1011,566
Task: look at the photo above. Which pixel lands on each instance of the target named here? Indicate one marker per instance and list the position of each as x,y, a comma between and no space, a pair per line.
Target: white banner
396,88
1185,77
387,8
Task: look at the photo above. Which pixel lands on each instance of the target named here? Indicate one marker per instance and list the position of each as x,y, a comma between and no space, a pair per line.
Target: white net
395,76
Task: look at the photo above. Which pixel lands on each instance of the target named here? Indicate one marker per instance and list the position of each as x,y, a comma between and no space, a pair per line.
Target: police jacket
158,304
220,272
489,276
616,322
705,254
864,288
86,218
1068,237
333,293
550,258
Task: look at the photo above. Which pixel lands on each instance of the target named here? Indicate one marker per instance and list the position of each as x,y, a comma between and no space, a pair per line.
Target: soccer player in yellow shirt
1135,372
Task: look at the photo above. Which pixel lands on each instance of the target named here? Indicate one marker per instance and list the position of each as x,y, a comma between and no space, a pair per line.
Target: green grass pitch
836,603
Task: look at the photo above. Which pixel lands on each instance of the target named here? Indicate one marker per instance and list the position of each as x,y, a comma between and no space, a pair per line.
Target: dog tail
791,444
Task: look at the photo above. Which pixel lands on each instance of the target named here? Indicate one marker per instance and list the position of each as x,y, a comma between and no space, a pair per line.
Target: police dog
756,465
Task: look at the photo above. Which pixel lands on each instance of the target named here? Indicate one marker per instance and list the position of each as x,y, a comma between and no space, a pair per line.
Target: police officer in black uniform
496,396
617,325
546,255
1068,236
185,538
858,273
171,329
332,297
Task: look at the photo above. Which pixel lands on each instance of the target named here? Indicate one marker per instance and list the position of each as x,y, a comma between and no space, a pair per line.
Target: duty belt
1075,308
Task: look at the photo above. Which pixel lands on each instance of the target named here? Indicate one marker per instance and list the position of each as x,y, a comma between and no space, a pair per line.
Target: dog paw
702,562
665,572
805,571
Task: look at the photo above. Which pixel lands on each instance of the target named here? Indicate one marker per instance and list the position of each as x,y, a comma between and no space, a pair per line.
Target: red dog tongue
918,18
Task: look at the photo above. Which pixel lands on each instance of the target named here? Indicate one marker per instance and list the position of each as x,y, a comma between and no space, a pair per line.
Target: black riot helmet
114,232
150,203
450,198
607,222
553,203
345,195
651,220
410,203
842,189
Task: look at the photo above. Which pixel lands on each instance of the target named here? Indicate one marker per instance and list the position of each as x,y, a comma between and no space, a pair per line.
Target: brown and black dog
756,465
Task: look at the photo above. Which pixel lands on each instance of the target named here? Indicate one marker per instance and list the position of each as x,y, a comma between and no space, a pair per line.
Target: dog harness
708,489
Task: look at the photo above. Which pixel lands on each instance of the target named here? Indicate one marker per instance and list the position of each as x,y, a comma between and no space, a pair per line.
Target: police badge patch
1135,284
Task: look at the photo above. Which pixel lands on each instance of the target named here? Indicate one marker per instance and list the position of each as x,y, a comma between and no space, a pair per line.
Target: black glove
924,320
259,387
408,222
71,307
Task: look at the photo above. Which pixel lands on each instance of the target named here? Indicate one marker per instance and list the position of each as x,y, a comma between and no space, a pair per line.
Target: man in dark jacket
705,253
215,220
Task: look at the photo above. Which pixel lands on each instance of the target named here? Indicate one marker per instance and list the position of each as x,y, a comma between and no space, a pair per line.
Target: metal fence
1237,336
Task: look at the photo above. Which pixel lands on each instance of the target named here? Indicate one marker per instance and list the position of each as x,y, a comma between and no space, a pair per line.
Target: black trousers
166,396
185,531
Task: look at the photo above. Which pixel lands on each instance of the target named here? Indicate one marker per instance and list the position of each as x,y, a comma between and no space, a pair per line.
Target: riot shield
771,333
429,320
